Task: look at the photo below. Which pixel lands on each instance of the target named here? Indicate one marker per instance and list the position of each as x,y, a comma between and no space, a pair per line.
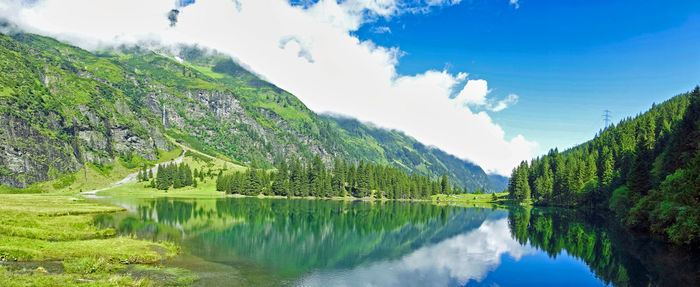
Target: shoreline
137,190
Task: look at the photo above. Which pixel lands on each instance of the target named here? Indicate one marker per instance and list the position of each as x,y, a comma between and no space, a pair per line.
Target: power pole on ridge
606,118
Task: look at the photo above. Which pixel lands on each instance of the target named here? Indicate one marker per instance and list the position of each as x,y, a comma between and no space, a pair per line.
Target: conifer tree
338,179
316,176
607,167
187,174
175,174
363,183
280,183
444,185
220,182
162,182
253,185
296,178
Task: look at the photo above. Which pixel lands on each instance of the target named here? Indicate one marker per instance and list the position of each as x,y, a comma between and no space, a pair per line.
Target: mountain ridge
108,107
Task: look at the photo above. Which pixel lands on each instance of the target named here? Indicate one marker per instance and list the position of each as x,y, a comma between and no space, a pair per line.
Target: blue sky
566,60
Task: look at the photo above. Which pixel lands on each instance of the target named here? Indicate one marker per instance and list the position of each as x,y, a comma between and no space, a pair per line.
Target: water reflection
338,243
610,251
454,261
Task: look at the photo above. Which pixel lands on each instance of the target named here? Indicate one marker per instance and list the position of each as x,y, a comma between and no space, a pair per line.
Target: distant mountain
406,152
63,108
499,183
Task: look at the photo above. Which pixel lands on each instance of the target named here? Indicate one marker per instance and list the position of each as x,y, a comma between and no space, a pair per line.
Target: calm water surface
273,242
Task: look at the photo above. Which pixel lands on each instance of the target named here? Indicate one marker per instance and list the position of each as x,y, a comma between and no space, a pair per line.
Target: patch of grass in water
117,249
40,231
51,205
164,276
91,265
53,228
40,277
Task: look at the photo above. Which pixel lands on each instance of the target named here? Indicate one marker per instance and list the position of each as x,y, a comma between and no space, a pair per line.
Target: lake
299,242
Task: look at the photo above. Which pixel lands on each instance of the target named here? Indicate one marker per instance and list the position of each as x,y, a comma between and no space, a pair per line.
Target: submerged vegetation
646,170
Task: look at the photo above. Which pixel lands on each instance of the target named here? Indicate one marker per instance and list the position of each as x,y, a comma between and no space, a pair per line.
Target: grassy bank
48,240
207,188
469,199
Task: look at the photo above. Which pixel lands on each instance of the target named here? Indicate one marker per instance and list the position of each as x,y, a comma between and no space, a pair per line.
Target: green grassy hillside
65,109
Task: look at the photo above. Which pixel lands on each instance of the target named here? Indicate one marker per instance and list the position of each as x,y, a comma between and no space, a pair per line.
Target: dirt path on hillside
132,177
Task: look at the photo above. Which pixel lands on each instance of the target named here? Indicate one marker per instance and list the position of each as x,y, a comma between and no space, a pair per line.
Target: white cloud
455,261
515,3
474,93
293,43
308,51
510,100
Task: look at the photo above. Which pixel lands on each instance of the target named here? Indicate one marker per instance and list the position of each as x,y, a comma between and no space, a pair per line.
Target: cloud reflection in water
454,261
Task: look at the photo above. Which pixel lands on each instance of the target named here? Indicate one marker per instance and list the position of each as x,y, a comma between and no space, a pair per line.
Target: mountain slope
64,108
411,155
55,120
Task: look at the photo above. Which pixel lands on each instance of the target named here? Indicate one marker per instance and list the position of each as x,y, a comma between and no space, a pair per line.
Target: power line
606,118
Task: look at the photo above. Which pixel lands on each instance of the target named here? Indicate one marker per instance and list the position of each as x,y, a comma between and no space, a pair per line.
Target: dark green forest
175,176
645,169
343,179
